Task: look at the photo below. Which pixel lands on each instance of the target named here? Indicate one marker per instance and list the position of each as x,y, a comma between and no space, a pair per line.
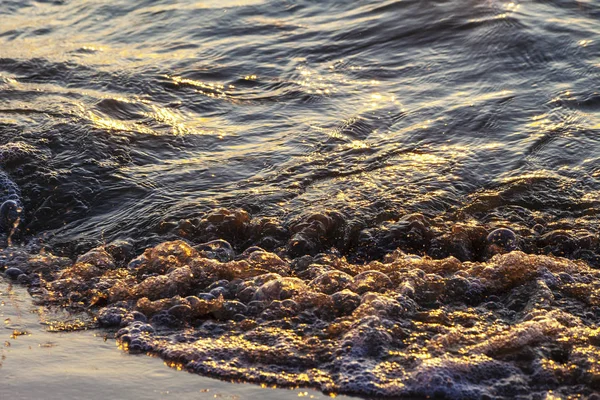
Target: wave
514,325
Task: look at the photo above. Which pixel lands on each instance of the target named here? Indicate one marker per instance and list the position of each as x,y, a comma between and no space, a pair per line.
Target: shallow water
329,134
38,364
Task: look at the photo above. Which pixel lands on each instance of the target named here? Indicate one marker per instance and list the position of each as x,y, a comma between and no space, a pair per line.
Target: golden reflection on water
209,89
165,120
334,81
110,124
168,117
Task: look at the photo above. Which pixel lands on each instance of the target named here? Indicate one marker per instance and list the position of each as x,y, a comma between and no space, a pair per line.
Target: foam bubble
515,325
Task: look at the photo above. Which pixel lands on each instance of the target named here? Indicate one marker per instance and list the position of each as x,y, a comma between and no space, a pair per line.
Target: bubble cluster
330,232
515,326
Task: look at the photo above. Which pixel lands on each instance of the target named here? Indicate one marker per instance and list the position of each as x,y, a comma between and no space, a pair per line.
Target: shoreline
35,363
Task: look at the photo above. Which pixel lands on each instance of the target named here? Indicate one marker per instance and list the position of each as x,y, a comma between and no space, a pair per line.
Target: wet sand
37,364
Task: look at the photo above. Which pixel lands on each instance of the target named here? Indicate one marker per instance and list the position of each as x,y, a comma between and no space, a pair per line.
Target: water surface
339,137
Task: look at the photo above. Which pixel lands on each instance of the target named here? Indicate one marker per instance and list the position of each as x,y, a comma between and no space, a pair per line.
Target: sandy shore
36,364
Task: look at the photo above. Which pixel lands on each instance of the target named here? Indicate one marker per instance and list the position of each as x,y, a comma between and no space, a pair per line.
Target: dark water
337,131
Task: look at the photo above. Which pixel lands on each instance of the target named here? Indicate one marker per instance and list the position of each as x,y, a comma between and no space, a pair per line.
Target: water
337,131
38,364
